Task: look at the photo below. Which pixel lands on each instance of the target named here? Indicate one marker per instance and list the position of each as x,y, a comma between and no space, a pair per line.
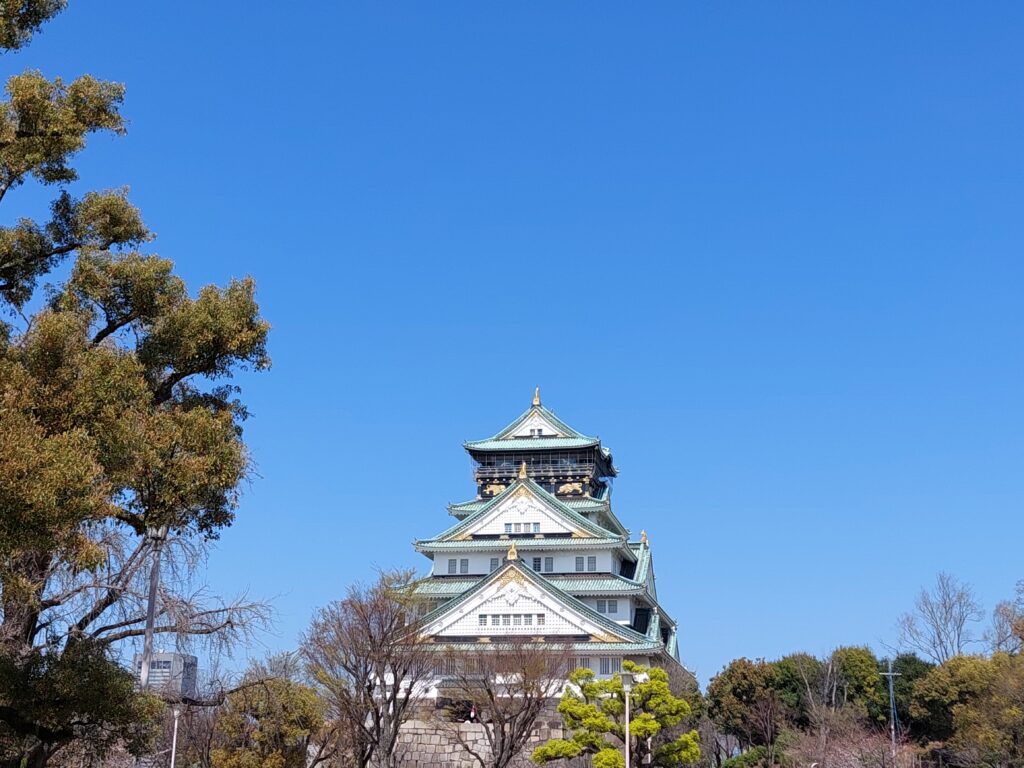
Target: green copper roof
633,638
532,443
567,437
588,649
445,587
502,545
571,515
584,505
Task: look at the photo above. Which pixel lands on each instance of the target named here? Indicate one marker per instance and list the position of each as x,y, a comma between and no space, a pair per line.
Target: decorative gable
512,603
535,425
523,511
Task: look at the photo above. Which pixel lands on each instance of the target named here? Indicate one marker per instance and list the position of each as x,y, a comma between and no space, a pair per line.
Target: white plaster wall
623,615
564,562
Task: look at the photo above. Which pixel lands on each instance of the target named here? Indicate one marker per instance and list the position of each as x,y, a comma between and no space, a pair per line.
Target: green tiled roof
545,413
502,545
584,505
532,443
443,587
567,438
591,649
552,501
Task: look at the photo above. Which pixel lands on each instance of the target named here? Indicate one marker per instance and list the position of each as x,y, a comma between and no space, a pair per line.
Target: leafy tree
792,675
858,682
112,423
20,19
909,668
269,722
594,710
946,689
988,728
743,701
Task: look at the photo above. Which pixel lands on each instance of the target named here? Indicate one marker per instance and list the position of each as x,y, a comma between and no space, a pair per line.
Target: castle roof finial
536,396
512,555
522,471
643,538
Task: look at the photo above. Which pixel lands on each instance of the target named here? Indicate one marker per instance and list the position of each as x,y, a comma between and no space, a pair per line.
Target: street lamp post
174,735
627,686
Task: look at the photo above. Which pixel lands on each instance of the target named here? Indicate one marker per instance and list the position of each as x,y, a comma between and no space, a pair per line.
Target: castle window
606,666
536,527
464,565
579,663
613,606
549,564
453,566
508,527
602,606
495,562
518,527
579,563
592,563
506,619
483,619
495,619
528,619
536,563
517,620
540,619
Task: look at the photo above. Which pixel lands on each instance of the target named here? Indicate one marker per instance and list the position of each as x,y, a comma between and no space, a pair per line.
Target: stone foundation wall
425,743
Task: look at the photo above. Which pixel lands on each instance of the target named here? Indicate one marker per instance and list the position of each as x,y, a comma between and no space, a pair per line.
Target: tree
909,668
368,659
270,721
594,711
939,627
946,689
743,702
1007,631
988,728
507,685
112,424
20,19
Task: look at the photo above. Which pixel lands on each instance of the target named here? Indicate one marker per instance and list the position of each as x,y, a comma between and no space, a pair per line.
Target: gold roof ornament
512,555
643,538
522,472
536,396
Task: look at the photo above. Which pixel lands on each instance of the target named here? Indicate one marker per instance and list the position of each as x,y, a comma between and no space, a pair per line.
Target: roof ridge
544,496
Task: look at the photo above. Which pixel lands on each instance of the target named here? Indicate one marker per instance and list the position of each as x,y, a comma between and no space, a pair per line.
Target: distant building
539,553
172,674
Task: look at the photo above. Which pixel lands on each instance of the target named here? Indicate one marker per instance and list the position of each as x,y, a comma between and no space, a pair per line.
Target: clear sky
769,252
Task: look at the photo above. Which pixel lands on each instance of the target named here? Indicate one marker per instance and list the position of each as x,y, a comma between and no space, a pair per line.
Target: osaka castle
539,553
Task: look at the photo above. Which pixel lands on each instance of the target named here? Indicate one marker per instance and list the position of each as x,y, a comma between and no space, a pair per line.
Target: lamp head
627,681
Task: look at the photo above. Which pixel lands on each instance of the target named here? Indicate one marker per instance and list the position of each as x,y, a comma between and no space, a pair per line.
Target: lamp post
174,735
627,686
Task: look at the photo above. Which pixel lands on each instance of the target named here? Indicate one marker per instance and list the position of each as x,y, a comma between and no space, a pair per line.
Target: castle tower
540,553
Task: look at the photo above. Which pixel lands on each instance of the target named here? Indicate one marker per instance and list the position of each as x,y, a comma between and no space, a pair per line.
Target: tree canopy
116,418
594,710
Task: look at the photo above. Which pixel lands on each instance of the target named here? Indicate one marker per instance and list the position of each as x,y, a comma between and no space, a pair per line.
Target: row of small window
606,665
540,564
521,527
511,619
154,665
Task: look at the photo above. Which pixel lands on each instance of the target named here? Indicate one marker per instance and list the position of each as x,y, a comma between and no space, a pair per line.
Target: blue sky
770,252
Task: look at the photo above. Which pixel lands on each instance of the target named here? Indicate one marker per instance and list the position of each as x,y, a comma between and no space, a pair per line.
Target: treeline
962,704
